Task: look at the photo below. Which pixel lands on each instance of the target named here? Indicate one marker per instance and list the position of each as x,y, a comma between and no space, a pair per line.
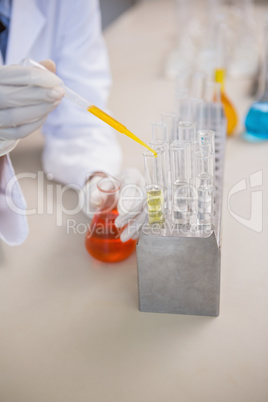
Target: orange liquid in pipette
103,239
229,109
117,126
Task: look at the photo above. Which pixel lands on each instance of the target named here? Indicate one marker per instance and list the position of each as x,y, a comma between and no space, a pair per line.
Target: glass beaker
103,237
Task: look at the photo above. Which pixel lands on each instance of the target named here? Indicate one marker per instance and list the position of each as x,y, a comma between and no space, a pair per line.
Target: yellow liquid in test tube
155,202
117,126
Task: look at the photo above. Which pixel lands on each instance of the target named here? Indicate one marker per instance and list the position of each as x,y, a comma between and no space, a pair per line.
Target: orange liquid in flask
229,109
103,239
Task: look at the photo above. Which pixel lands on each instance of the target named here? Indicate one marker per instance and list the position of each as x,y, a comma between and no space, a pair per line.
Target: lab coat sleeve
76,141
13,220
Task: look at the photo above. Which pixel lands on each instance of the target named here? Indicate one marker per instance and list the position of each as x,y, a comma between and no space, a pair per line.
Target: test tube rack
181,274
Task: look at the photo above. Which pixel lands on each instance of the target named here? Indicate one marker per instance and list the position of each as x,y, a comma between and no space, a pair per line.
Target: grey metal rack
181,274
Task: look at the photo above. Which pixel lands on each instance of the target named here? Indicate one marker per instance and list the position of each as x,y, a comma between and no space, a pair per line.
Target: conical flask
103,237
256,121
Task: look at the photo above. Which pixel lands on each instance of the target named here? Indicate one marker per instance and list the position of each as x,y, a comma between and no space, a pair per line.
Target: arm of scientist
27,96
13,222
76,141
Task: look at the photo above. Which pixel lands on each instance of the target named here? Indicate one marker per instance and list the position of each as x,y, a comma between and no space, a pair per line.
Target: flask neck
220,77
265,60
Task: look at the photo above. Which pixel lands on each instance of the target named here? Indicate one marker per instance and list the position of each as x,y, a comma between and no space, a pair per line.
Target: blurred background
111,9
211,36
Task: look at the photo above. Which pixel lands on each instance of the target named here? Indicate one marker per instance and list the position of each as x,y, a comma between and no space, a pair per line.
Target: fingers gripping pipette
87,105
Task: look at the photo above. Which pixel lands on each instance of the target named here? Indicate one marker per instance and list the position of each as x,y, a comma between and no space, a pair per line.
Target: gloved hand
130,204
27,96
90,198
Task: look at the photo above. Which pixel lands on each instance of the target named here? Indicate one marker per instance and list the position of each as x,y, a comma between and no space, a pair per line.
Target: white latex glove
90,198
27,96
130,205
13,219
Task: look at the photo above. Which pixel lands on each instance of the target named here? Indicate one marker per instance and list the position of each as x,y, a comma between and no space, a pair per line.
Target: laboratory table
70,327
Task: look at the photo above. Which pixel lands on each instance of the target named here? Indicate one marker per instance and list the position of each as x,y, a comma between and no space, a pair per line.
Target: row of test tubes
180,181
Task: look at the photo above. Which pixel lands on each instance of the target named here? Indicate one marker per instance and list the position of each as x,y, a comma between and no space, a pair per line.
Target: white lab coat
69,32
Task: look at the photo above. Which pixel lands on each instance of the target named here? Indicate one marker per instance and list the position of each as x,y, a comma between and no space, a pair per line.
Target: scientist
76,143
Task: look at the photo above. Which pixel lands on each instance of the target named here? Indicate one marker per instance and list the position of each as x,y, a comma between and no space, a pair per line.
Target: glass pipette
87,105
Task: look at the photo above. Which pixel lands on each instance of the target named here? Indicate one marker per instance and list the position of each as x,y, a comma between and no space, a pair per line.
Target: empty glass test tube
206,137
153,169
196,106
186,131
205,142
216,119
180,175
171,121
203,166
214,112
159,131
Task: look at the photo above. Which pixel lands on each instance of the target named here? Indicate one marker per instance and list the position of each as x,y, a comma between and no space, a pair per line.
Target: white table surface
70,328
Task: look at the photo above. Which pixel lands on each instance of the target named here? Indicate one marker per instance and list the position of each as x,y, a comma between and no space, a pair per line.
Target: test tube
201,115
153,170
203,166
186,131
162,149
214,106
159,131
219,120
181,175
195,111
206,137
171,121
182,108
216,119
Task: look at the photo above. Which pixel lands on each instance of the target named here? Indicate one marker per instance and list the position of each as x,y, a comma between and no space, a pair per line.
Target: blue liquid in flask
257,122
